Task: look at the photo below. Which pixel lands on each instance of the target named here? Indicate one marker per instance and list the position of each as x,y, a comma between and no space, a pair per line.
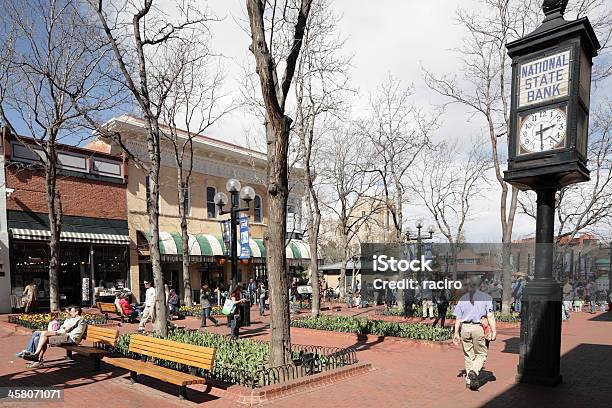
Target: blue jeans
206,314
234,325
33,343
262,306
517,305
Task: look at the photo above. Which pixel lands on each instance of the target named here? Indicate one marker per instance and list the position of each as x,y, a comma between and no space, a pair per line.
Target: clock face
543,130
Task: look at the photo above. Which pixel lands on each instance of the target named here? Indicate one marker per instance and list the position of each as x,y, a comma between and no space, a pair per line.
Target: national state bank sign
551,80
544,79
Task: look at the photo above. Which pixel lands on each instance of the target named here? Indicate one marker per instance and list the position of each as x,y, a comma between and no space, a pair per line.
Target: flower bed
196,310
416,331
40,321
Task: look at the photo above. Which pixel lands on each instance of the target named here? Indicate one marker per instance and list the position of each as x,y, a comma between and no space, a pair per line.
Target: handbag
486,327
228,307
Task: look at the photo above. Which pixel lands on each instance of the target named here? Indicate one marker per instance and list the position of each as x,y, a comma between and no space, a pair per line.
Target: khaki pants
147,313
428,308
474,347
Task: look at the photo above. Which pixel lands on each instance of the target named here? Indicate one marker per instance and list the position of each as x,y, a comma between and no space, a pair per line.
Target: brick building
94,240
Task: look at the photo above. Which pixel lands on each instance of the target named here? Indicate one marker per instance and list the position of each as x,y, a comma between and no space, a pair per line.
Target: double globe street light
419,239
237,193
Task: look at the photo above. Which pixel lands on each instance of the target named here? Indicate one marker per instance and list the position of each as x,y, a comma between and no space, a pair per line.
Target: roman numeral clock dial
543,130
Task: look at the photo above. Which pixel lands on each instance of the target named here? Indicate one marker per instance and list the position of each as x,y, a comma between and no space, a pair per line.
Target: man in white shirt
149,306
70,332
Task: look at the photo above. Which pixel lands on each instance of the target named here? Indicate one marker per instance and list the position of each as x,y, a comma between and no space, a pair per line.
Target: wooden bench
100,338
150,347
106,308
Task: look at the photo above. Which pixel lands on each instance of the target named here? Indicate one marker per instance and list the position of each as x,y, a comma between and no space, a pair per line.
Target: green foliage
507,318
346,324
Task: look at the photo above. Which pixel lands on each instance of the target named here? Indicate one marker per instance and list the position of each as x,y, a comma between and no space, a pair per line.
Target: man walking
427,300
149,306
470,310
252,288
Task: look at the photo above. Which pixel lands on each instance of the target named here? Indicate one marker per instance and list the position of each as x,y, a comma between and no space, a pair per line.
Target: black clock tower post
547,150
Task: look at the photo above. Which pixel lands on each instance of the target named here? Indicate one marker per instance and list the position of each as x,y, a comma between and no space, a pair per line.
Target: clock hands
541,133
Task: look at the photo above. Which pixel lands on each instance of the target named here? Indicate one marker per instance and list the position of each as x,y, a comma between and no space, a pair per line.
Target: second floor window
210,202
257,211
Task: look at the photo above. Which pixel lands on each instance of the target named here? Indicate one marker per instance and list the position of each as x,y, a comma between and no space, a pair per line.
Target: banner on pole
245,249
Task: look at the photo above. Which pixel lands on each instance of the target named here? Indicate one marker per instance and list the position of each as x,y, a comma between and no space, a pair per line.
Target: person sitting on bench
70,332
127,309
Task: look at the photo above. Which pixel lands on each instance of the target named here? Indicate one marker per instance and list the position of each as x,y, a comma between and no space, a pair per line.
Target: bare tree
142,38
447,181
350,189
585,206
398,133
321,82
286,23
484,90
49,43
192,106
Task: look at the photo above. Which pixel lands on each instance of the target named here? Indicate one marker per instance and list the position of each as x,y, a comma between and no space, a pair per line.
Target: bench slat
172,349
151,370
207,365
185,346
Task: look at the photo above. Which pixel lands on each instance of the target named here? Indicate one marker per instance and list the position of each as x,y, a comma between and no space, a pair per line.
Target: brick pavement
403,375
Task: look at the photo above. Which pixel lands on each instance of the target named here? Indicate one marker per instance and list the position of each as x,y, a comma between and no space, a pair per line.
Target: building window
187,200
257,212
210,202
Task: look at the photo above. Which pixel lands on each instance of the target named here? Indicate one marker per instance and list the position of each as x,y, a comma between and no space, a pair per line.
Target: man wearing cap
149,306
471,308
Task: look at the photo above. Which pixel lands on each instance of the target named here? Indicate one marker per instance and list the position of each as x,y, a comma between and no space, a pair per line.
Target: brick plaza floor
404,375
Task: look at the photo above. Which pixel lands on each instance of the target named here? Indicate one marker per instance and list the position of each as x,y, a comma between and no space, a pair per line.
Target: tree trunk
278,190
342,277
55,226
160,324
313,238
185,237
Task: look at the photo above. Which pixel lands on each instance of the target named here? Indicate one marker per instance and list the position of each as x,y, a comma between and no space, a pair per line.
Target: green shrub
196,310
417,310
346,324
507,318
40,321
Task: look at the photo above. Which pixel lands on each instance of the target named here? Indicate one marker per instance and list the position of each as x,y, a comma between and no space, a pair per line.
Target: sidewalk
403,376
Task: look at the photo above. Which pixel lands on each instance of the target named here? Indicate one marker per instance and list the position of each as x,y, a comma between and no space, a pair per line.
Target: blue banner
245,249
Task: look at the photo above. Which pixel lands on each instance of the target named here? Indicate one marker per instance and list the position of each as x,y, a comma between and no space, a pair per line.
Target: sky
384,36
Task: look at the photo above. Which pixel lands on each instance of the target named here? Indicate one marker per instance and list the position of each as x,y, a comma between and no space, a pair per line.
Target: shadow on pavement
603,317
59,373
586,371
512,345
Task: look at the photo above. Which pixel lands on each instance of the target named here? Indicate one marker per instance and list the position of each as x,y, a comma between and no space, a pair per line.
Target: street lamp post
247,194
419,239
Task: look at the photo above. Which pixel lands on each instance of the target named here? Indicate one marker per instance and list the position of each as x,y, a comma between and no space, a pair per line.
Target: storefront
208,261
93,258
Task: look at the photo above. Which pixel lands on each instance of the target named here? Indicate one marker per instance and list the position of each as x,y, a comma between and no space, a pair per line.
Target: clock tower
547,150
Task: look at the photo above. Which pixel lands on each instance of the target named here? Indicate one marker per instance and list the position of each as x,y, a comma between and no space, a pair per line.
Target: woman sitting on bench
70,332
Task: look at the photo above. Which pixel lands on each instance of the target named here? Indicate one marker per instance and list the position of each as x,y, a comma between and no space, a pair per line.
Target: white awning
66,236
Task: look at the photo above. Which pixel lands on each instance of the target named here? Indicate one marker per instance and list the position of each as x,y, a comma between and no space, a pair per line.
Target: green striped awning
69,236
171,243
297,249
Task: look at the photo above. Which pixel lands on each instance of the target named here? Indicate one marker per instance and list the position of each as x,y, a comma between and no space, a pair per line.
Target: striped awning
297,249
171,243
67,236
